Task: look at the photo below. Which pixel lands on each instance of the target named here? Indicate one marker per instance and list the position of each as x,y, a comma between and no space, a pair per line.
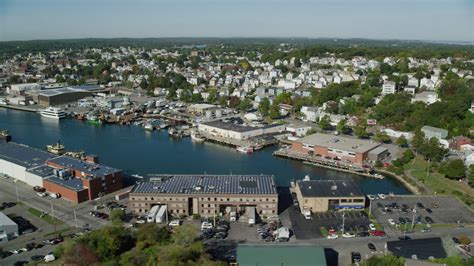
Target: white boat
53,112
148,127
196,137
245,149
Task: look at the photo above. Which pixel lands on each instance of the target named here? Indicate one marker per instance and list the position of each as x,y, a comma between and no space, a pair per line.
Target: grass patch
64,230
47,218
324,231
438,183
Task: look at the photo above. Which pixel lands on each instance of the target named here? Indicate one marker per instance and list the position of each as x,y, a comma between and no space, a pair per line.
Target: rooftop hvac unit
334,187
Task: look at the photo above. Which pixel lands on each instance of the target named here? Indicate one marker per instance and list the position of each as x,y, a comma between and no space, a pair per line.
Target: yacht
53,112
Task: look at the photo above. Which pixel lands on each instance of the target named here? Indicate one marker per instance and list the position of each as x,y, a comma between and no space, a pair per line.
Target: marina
142,152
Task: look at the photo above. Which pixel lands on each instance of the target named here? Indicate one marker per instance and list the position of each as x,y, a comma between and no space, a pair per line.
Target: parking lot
354,222
425,209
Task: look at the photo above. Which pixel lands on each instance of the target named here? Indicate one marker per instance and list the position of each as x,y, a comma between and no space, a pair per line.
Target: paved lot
354,222
444,209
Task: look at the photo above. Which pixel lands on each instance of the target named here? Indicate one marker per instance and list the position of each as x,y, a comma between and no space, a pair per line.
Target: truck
152,214
161,216
307,213
251,215
54,195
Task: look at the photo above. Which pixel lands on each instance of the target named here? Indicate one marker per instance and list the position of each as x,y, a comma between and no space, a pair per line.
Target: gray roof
65,90
5,220
92,169
423,248
209,184
71,183
236,127
442,131
378,150
338,142
43,171
329,188
23,155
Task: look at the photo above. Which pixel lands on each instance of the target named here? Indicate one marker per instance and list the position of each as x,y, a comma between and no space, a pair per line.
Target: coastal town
378,115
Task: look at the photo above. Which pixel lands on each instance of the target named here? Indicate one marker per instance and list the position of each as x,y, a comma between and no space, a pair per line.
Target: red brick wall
298,147
66,193
321,151
95,185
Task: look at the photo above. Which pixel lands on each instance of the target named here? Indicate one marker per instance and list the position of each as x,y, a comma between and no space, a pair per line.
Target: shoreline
19,108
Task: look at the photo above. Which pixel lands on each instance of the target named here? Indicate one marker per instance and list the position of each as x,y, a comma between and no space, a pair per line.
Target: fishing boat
5,136
173,132
245,149
257,146
148,127
379,176
93,120
196,137
57,148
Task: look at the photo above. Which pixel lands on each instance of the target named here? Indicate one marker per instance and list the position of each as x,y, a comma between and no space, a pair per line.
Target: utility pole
75,218
17,195
370,208
413,218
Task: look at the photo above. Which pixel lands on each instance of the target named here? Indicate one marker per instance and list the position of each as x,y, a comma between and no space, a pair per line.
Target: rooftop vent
334,187
197,188
309,187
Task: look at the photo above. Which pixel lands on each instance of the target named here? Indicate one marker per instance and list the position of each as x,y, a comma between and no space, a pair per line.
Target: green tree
386,260
324,123
453,169
245,105
274,111
402,141
342,128
185,235
116,216
471,176
361,132
152,234
382,137
432,150
264,106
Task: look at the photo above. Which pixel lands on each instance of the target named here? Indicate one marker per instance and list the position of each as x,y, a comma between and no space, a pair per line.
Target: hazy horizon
448,21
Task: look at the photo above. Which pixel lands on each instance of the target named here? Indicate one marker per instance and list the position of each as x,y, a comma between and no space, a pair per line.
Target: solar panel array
96,170
209,184
23,155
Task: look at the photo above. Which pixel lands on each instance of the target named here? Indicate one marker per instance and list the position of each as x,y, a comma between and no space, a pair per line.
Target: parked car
429,220
378,233
363,234
175,223
372,227
41,194
425,230
428,210
401,220
37,257
49,258
455,240
333,236
372,247
355,257
206,225
348,235
382,196
39,189
391,222
404,238
371,197
420,205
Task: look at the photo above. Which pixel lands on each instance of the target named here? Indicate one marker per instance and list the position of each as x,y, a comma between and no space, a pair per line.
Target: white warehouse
8,228
237,132
23,163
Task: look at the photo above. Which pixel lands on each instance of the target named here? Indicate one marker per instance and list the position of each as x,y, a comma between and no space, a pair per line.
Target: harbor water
137,151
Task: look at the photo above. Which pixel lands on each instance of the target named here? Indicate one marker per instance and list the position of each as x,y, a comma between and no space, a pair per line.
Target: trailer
161,216
251,215
152,214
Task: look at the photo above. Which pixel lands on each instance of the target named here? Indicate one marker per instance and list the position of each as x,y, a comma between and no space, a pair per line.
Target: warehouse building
64,95
20,161
8,228
79,180
75,179
206,195
336,147
230,130
325,195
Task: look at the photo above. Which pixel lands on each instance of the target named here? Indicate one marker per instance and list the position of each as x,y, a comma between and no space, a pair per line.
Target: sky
434,20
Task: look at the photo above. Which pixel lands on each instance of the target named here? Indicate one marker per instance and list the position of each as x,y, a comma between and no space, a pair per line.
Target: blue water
137,151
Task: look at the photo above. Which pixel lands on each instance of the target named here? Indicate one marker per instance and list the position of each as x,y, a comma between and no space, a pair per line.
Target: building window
228,199
305,201
266,199
152,198
139,210
358,200
145,198
240,199
215,199
208,199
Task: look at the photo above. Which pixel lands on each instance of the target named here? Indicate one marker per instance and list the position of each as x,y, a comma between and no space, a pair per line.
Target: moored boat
57,148
93,120
196,137
53,112
148,127
245,149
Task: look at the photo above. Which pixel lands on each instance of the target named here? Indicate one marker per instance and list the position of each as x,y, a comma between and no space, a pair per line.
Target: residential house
389,87
434,132
428,97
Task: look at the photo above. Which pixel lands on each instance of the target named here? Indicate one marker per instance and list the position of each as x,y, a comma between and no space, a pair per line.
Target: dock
322,162
20,108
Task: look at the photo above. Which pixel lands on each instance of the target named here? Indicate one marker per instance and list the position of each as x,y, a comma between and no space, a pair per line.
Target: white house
389,87
311,113
428,97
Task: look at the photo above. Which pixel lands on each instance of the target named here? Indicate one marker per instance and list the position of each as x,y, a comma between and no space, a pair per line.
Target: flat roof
208,184
69,89
339,143
91,169
378,150
23,155
329,188
236,127
70,183
5,220
263,255
43,171
423,248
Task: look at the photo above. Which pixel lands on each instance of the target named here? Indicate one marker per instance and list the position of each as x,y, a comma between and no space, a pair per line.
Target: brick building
206,195
335,147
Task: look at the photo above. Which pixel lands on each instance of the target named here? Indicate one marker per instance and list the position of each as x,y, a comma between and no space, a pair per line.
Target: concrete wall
13,170
33,180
